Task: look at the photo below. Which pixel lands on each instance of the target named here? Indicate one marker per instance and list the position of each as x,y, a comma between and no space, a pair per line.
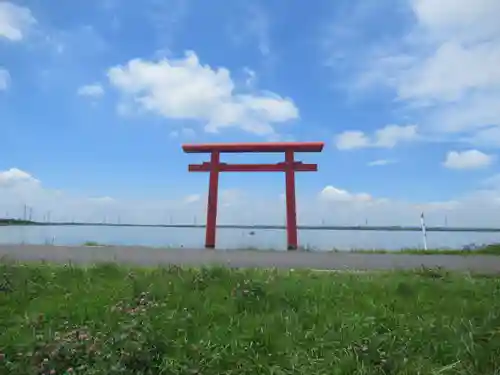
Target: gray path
321,261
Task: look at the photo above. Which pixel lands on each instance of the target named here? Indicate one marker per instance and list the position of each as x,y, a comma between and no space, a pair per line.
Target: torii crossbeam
289,166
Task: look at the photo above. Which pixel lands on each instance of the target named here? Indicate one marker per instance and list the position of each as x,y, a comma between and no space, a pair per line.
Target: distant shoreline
390,228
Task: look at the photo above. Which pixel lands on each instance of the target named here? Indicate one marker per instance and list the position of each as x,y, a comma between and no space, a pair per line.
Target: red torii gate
289,166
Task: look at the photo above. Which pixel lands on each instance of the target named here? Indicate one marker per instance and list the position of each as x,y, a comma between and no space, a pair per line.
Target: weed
91,243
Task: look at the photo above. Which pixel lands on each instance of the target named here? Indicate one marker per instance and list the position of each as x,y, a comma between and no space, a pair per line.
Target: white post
424,232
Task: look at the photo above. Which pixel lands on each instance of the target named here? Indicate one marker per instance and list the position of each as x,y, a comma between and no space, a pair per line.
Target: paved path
264,259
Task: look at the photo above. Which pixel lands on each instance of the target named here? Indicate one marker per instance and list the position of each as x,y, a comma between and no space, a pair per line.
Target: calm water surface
237,239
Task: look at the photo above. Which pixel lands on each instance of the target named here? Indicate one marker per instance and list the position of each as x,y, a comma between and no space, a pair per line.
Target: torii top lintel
254,147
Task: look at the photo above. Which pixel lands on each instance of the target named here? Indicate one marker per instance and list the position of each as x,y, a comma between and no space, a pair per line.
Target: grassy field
113,320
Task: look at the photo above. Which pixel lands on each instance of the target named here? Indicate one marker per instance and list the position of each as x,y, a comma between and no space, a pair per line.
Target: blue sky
97,97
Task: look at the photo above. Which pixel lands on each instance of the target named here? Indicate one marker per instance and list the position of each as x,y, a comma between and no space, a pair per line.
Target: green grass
492,249
114,320
93,243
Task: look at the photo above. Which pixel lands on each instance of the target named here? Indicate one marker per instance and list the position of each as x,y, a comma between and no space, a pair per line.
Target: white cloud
183,133
386,137
445,70
471,159
94,90
231,197
15,21
14,178
250,22
439,79
250,77
391,135
258,26
19,188
381,162
167,18
192,198
185,89
352,139
4,79
104,200
333,194
459,18
492,181
342,207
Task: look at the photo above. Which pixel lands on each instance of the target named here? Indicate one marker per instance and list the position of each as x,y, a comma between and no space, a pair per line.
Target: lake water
236,239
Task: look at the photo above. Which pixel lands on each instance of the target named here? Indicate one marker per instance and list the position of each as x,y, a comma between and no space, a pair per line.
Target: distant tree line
15,222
